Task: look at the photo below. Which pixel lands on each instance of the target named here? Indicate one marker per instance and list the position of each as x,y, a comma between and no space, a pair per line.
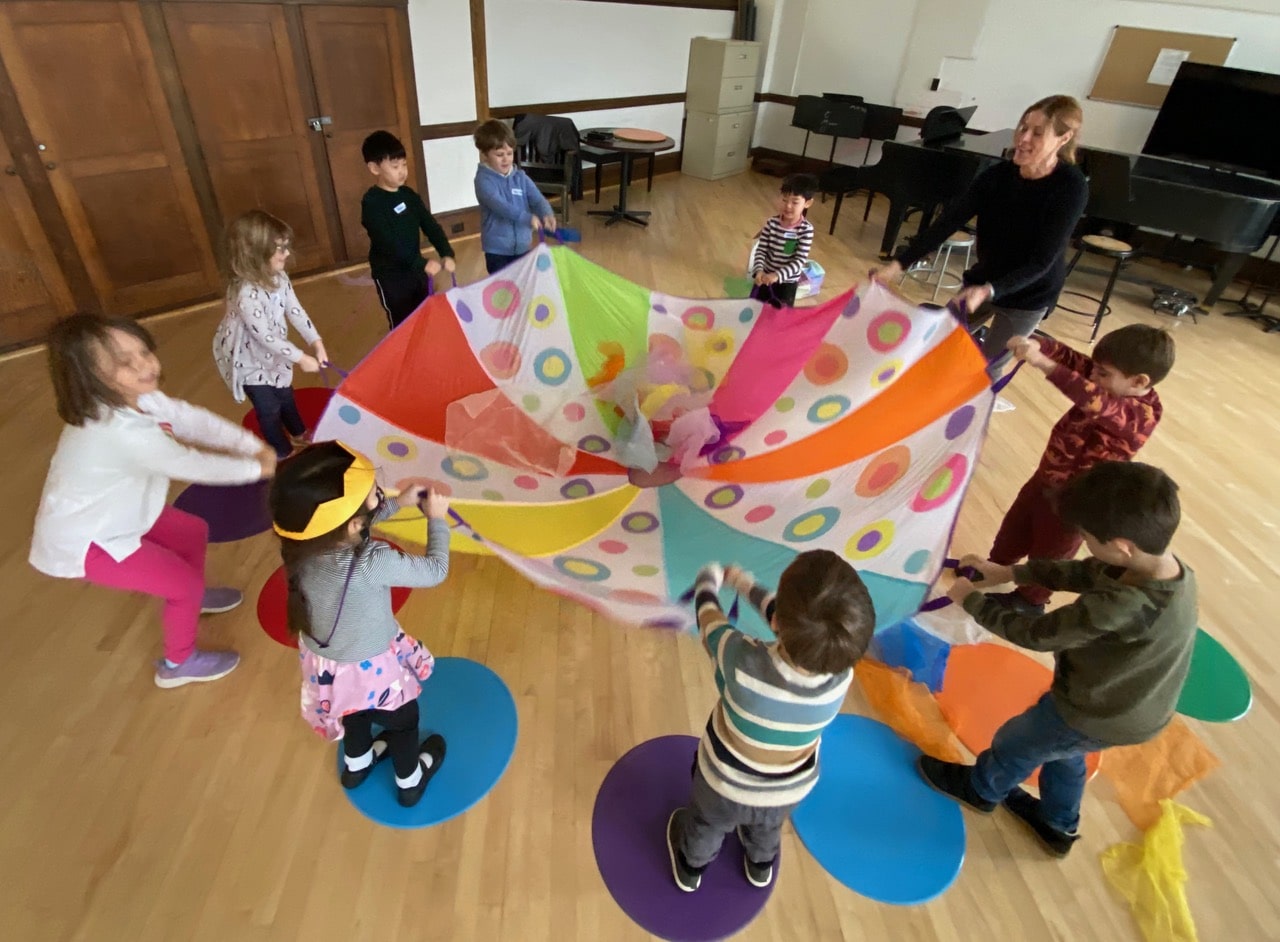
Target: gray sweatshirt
367,626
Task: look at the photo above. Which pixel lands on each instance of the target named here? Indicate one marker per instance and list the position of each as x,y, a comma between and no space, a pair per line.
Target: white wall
1019,58
565,50
547,50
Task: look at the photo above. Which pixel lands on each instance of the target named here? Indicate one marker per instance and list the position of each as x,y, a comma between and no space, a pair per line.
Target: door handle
319,123
51,166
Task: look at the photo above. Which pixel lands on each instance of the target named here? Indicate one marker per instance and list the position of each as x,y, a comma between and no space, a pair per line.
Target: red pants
1032,529
170,565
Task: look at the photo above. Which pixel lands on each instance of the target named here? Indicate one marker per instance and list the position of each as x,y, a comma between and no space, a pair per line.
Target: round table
627,150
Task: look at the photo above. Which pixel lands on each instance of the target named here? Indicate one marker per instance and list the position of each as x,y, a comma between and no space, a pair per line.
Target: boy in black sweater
393,214
1121,651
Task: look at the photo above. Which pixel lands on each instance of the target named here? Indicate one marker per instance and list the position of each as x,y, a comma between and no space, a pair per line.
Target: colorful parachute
607,440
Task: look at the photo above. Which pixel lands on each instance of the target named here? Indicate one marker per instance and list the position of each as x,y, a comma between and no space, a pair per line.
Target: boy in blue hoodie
511,207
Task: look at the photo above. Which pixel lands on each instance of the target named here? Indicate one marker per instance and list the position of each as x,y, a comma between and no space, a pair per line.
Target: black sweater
393,220
1023,228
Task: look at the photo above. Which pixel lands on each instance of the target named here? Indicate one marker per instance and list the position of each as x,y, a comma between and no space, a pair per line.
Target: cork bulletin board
1140,63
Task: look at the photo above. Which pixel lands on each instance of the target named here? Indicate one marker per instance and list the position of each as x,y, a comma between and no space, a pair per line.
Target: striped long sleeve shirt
781,250
760,746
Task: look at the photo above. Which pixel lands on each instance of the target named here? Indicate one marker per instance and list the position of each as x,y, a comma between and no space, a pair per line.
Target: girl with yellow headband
359,667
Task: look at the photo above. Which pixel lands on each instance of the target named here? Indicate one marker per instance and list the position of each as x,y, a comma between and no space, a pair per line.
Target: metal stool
942,258
1114,249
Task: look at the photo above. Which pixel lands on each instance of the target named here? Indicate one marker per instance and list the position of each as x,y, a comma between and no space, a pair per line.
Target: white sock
412,780
358,763
170,664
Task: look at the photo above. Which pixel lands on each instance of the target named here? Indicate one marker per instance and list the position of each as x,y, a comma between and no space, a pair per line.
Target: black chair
1110,189
882,124
551,173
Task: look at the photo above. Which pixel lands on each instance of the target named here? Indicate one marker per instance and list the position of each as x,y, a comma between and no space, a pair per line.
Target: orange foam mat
987,684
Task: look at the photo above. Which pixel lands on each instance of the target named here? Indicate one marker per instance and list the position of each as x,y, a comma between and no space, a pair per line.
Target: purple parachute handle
431,283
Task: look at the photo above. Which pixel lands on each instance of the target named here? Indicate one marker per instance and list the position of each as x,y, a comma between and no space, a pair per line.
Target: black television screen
1219,116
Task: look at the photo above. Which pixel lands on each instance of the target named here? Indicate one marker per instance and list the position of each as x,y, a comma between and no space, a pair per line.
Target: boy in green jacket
1121,650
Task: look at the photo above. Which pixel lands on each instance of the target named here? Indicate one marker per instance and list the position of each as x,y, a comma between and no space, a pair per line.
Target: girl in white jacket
103,516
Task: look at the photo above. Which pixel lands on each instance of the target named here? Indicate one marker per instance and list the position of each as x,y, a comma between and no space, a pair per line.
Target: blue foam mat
470,706
873,824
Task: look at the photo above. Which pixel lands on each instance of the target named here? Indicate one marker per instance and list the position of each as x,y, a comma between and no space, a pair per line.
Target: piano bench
1119,252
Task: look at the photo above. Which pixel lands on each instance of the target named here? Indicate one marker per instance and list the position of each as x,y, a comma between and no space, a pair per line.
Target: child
782,244
1114,413
510,205
1121,650
359,668
102,515
393,215
252,347
759,754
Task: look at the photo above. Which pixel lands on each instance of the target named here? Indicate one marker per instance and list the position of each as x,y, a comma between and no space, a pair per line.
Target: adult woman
1026,209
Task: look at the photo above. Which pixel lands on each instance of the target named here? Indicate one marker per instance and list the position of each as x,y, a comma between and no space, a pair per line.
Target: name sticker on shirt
516,191
401,208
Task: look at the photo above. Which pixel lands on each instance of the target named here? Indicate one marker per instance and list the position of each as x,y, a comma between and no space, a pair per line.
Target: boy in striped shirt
782,245
759,753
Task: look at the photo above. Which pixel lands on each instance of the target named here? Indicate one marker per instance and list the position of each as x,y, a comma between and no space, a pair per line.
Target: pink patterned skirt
331,690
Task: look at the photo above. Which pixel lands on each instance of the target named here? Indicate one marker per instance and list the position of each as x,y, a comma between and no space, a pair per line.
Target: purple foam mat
628,832
233,513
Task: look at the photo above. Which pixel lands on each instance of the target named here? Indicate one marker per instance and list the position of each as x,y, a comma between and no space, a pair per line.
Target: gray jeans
709,817
1005,323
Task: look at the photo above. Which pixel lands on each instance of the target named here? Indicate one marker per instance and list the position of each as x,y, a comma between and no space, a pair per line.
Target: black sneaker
432,748
1015,601
351,779
687,878
1026,808
758,874
953,780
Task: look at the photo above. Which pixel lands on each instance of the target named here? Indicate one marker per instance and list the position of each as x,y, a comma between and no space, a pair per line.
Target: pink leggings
169,565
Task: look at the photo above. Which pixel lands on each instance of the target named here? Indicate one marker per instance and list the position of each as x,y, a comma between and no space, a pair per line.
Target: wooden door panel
359,72
87,86
250,118
33,292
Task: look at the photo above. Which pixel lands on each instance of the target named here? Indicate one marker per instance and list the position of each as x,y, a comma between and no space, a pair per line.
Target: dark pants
1032,529
778,294
277,412
401,292
709,817
401,732
495,263
1038,737
1005,324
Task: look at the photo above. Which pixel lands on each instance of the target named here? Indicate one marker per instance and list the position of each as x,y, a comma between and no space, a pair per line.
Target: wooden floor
212,812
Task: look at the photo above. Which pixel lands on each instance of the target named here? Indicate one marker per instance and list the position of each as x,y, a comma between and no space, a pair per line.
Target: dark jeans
709,817
1038,737
778,294
495,263
401,731
401,292
277,412
1032,529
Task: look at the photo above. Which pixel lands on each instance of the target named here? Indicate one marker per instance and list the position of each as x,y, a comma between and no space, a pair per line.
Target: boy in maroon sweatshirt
1115,409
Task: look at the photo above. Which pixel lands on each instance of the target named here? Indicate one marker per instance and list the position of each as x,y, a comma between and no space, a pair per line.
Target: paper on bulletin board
1166,66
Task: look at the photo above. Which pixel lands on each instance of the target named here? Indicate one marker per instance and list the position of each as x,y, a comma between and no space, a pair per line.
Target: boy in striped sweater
782,245
759,753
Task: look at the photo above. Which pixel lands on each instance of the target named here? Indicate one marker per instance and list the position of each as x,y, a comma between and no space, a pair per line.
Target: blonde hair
1064,113
250,242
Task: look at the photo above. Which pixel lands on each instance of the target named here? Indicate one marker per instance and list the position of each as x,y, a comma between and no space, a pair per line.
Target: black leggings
401,732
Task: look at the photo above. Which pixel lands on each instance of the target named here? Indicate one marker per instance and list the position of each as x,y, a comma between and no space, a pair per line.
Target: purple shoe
218,600
201,667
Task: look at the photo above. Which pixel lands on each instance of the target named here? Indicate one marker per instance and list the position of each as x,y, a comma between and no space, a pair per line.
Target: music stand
826,116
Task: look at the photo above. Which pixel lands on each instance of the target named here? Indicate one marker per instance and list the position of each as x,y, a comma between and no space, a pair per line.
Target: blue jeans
1038,737
277,411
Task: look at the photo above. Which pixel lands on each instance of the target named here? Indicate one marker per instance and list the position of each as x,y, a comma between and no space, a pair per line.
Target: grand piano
1230,212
